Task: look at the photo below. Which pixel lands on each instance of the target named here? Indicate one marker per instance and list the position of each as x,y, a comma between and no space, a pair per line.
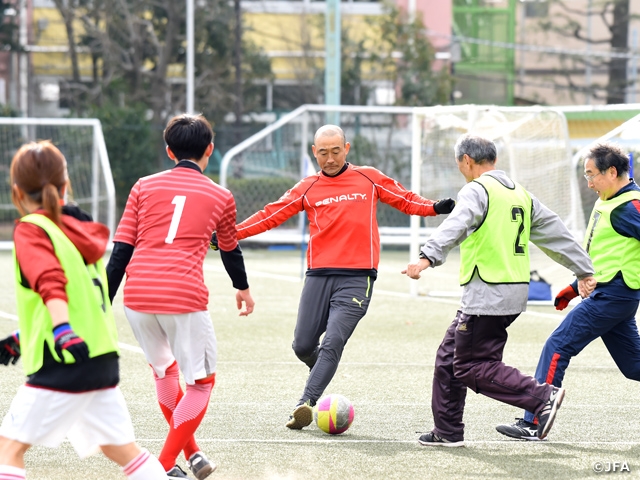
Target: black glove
213,243
66,339
445,205
10,349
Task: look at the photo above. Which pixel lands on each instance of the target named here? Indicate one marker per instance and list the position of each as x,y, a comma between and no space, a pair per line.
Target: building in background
504,52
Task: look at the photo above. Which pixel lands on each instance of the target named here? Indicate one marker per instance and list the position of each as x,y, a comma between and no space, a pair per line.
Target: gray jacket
548,232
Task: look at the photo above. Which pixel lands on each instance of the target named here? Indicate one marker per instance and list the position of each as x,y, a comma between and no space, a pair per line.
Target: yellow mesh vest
499,248
90,313
610,252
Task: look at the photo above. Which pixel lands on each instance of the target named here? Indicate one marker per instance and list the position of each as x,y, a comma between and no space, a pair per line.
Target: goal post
82,143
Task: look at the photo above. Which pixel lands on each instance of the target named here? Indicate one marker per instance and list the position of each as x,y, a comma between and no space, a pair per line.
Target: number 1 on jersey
178,201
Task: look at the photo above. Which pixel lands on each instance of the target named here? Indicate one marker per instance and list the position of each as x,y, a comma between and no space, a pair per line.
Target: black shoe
301,416
200,465
548,413
431,439
177,472
521,430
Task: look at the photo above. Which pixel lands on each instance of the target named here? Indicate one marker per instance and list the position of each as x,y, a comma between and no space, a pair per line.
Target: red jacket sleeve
38,262
276,213
393,193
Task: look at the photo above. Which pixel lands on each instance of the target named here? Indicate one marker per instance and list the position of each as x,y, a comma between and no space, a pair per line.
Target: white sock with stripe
144,467
7,472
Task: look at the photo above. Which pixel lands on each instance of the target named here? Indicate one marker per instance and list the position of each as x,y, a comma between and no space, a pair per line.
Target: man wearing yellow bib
493,221
613,242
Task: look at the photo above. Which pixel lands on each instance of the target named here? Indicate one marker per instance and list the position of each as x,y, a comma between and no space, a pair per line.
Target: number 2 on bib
178,201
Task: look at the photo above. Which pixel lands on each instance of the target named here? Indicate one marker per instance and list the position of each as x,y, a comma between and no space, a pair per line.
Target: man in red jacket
342,256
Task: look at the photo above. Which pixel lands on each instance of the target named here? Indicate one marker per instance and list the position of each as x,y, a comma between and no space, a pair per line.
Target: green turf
385,371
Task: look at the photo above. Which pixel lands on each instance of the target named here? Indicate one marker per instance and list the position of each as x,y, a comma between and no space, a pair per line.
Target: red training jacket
343,229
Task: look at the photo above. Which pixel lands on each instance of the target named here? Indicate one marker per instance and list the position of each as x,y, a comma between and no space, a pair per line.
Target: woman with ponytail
67,334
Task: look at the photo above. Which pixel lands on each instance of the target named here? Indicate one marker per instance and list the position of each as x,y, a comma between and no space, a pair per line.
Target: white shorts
88,420
187,338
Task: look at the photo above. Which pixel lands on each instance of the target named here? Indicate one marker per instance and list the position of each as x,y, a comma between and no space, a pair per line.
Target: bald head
329,131
330,149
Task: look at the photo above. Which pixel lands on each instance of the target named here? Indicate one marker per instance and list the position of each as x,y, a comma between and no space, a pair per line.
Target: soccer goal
413,146
260,169
82,143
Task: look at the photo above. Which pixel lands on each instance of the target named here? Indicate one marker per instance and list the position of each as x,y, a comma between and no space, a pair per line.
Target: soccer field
385,371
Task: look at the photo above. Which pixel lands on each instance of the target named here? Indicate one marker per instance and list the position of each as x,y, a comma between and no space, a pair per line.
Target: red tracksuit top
343,229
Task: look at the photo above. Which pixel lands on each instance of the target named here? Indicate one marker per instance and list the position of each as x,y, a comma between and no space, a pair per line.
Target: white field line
292,279
334,440
133,348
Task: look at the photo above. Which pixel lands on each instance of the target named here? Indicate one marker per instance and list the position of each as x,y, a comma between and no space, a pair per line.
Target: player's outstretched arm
444,206
244,296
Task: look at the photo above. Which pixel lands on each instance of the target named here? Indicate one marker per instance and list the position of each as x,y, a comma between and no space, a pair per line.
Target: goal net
413,146
82,143
260,169
533,149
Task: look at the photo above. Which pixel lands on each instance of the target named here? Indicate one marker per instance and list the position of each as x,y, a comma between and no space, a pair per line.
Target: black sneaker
548,413
177,472
200,465
301,416
521,430
431,439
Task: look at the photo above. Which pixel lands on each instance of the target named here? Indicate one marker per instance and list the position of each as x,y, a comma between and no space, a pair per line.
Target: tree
402,53
137,46
568,22
138,55
8,26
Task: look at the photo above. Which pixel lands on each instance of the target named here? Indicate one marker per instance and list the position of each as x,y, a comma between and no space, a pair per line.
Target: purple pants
471,356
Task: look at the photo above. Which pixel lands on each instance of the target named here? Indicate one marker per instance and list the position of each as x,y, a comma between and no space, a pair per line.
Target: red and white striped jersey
343,229
169,218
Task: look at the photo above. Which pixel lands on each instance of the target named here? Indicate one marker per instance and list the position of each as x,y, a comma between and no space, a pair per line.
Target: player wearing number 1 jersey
161,241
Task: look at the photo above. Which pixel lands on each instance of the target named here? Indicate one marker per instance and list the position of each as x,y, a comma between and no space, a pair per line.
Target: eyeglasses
589,178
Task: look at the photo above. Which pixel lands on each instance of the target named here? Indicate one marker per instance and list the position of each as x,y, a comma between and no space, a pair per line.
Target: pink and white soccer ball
333,414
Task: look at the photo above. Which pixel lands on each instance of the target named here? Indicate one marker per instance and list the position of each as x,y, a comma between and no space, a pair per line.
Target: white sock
144,467
7,472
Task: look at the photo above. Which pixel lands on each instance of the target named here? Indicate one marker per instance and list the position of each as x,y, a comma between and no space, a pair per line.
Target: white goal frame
100,166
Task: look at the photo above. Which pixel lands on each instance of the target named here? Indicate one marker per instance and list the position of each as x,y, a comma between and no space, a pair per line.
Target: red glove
564,297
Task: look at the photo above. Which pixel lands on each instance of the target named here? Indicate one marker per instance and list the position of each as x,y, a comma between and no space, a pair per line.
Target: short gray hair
480,149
